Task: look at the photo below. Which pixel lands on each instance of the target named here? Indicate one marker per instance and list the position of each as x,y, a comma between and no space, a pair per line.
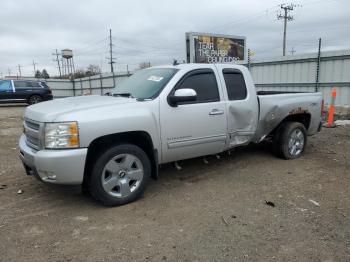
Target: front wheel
120,175
291,140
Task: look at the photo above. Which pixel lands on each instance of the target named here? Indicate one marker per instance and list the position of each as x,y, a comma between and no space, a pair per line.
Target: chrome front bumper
54,166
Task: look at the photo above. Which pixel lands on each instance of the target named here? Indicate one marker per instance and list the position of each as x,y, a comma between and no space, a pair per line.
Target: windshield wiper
123,95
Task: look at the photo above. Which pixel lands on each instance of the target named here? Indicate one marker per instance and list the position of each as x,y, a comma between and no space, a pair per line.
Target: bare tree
79,73
92,70
144,65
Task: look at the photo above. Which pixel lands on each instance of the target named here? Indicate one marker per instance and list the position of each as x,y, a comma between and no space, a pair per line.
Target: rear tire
34,99
290,140
120,175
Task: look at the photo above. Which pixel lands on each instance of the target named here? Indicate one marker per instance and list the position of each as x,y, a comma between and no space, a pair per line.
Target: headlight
61,135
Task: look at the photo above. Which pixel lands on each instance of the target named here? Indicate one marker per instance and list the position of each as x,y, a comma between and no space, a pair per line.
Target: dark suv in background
24,91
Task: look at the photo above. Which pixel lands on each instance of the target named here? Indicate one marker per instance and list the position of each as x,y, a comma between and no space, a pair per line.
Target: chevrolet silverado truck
112,145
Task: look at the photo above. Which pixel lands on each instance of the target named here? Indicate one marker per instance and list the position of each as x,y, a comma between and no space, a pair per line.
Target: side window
235,84
34,84
205,85
22,85
44,85
5,86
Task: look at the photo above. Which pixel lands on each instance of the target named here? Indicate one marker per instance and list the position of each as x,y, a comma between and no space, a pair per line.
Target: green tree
38,74
44,74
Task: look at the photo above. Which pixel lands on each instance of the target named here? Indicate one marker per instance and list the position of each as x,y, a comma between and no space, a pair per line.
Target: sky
154,30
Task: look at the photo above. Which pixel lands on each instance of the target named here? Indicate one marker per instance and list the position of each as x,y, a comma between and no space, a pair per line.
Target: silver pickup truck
113,144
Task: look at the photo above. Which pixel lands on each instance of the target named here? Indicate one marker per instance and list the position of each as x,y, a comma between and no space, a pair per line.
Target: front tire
120,175
290,141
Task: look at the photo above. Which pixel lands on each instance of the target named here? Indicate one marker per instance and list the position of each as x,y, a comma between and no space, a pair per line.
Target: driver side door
194,128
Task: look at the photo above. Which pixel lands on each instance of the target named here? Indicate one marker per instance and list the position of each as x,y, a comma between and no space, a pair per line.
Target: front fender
103,121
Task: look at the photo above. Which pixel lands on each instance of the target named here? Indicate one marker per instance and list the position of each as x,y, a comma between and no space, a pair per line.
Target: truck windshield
145,84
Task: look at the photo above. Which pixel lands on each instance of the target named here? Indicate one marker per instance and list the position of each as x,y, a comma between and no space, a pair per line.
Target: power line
286,17
323,28
244,19
93,44
92,47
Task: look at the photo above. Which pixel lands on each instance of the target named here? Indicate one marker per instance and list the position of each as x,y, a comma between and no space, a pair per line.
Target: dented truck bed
276,106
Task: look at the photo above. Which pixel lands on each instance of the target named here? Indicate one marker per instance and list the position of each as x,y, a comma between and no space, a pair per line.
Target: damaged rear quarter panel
275,108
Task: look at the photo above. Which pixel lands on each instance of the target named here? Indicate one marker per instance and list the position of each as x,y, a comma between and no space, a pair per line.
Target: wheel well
303,118
139,138
35,94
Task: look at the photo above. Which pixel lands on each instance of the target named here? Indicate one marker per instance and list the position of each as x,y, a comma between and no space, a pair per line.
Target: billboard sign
214,48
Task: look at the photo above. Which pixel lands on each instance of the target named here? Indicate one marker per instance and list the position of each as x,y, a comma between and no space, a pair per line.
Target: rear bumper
54,166
47,97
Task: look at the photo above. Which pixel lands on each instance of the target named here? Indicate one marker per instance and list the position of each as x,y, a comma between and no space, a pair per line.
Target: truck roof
189,66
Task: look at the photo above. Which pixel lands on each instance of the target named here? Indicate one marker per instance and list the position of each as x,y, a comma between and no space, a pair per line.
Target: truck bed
274,106
263,93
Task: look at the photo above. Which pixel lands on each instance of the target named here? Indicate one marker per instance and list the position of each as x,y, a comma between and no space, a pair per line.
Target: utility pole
19,70
111,59
58,61
34,67
9,71
286,17
292,51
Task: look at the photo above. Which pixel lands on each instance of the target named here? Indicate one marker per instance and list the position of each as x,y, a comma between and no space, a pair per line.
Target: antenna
34,64
292,51
19,70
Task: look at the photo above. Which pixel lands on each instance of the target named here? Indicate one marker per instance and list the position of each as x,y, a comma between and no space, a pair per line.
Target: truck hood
50,110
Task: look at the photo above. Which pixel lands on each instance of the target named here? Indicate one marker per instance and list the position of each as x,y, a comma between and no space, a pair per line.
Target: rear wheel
34,99
120,175
290,140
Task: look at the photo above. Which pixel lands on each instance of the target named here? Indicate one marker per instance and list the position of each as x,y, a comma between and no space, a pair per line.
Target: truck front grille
32,132
32,125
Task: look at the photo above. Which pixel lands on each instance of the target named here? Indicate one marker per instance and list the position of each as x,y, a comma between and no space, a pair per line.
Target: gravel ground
205,212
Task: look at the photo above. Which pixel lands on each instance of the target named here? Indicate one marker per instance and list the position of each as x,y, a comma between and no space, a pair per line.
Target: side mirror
182,95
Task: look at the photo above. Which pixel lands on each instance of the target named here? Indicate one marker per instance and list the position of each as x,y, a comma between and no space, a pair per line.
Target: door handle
215,112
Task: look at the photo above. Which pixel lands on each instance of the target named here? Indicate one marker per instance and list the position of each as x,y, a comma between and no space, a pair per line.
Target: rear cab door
195,128
242,104
25,88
